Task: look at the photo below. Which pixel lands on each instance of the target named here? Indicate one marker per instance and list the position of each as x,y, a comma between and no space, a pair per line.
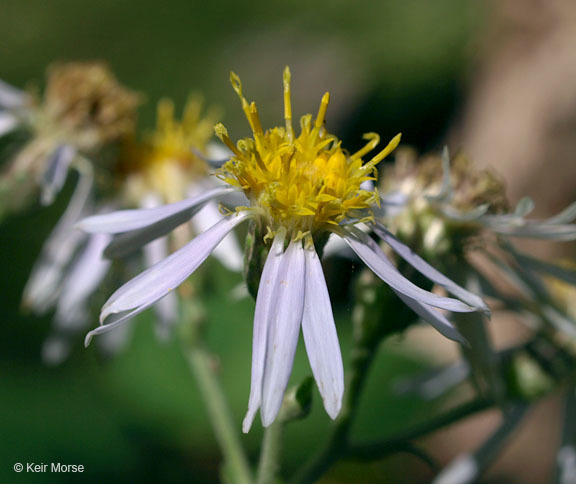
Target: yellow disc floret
169,158
303,183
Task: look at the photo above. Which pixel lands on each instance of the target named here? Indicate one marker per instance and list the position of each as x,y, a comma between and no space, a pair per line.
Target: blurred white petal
8,122
153,284
228,252
54,176
82,280
167,308
11,97
42,288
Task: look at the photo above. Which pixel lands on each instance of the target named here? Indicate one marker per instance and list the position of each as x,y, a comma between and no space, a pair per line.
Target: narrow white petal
167,308
167,314
367,185
374,257
391,204
55,350
128,220
84,277
283,330
218,153
433,316
8,122
228,252
321,338
56,171
111,343
41,289
11,97
337,247
262,316
153,284
427,270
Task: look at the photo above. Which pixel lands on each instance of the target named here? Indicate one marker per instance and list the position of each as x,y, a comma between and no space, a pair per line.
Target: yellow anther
192,111
288,104
322,110
165,114
237,86
373,138
255,119
222,133
385,152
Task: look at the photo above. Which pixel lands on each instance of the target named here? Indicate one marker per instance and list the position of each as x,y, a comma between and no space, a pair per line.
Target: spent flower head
82,109
85,106
442,205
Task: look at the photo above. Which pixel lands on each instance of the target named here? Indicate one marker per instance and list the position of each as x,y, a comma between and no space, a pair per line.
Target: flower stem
337,445
236,463
271,448
382,448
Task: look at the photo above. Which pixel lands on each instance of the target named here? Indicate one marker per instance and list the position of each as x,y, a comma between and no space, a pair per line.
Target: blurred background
495,79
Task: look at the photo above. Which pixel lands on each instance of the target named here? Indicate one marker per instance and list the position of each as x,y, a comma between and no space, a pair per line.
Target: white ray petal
8,122
283,330
11,97
84,277
321,338
166,309
56,172
153,284
228,252
427,270
262,316
128,220
41,290
374,257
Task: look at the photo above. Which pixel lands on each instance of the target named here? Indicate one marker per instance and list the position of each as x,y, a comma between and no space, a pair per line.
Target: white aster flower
300,188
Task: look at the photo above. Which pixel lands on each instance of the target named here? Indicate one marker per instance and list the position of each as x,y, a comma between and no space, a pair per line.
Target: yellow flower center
166,162
303,183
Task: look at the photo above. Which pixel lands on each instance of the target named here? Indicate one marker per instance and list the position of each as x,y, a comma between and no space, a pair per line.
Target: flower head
442,204
83,108
85,105
305,183
297,187
169,159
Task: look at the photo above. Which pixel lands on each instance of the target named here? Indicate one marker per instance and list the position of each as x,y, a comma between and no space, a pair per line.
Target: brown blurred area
520,116
519,119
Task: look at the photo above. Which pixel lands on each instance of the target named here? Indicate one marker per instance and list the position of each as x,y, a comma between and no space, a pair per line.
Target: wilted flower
301,188
461,218
441,205
82,109
163,168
